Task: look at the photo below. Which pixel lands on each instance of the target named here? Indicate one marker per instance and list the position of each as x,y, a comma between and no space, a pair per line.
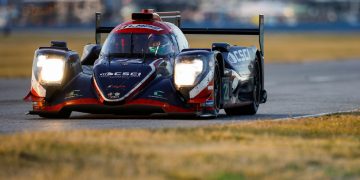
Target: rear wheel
252,108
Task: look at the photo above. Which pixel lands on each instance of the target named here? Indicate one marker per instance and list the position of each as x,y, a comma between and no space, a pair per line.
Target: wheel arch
220,59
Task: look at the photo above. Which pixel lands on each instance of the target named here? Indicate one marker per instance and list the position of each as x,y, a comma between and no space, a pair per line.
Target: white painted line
315,115
321,79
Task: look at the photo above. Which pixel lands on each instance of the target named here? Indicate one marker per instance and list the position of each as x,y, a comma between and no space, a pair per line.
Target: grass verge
17,51
325,147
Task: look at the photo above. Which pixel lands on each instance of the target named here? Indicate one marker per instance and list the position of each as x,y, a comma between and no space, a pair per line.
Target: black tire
252,108
59,115
217,95
217,88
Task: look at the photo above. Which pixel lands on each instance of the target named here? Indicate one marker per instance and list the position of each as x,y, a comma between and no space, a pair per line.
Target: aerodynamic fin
256,31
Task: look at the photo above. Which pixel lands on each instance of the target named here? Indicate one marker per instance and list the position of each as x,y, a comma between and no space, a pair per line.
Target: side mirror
90,54
222,47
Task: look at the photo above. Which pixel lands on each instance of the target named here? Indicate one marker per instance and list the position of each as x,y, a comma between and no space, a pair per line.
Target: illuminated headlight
50,69
186,72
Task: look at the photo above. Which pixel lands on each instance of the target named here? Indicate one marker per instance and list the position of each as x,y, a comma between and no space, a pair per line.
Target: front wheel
217,88
216,95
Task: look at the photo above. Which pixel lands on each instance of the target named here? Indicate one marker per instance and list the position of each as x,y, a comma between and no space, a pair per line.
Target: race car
144,67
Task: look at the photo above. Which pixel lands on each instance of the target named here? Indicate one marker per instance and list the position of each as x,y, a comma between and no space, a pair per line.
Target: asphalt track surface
294,90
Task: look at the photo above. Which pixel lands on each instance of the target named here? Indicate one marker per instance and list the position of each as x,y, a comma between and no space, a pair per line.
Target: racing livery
145,66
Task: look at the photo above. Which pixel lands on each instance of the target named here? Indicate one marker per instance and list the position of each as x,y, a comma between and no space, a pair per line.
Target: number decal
226,90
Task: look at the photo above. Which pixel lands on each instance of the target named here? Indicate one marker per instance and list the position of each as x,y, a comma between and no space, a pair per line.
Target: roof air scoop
146,15
150,11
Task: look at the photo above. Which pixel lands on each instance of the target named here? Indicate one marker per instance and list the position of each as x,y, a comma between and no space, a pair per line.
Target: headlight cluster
187,70
50,69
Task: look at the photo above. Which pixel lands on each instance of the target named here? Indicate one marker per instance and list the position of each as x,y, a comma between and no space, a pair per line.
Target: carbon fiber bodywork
230,78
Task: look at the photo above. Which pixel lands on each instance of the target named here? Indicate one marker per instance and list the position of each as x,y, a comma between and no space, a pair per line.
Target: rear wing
172,16
175,18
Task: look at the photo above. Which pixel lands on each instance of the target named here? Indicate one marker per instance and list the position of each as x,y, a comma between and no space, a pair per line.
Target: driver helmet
159,45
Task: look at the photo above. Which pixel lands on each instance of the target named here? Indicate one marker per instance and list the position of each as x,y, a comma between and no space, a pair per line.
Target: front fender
202,87
72,68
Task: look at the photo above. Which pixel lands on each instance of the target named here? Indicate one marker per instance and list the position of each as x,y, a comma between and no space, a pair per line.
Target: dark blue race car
145,66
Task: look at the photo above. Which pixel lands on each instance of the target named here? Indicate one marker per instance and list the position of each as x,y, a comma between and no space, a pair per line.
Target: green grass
17,51
313,148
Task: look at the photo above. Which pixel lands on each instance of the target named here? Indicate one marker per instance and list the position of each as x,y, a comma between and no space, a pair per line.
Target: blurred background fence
280,14
297,30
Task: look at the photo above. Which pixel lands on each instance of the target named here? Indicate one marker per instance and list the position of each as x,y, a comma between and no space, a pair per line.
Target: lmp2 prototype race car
145,66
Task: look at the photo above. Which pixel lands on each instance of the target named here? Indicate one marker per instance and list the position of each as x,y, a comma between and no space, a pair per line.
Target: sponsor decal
73,94
209,103
107,74
226,91
116,86
143,26
113,95
158,95
239,56
120,74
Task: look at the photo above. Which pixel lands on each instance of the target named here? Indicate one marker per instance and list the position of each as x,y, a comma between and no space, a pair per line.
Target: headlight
186,72
50,69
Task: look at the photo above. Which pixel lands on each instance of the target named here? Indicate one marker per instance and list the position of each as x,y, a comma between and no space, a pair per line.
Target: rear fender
240,62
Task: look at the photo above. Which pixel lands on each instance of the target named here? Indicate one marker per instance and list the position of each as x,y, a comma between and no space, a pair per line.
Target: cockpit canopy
138,45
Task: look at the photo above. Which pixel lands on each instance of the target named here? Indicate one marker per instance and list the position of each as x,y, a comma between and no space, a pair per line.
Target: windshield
138,45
